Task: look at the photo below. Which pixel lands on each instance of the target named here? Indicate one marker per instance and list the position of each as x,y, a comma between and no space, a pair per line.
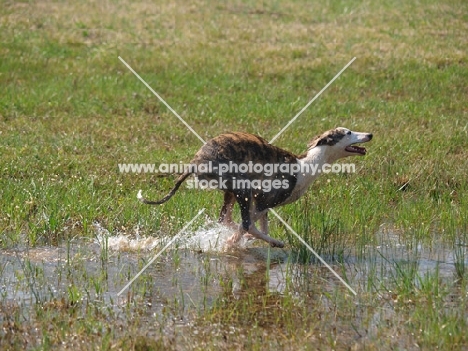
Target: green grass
70,112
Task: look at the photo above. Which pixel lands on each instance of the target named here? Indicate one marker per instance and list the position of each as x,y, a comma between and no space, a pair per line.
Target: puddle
193,273
438,256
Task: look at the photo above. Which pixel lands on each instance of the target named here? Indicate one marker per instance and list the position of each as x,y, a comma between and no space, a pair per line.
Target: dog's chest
297,192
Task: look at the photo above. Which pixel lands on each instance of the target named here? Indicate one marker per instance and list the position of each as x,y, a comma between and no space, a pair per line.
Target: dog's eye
349,132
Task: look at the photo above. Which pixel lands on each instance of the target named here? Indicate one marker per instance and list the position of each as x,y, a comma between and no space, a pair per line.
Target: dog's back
241,148
237,148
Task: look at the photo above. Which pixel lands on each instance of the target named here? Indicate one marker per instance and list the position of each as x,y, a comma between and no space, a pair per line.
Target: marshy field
73,233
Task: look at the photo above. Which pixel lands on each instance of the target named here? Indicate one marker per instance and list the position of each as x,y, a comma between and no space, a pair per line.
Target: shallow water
195,270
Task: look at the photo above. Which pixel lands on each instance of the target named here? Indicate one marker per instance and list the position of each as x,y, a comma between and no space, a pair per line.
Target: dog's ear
314,142
328,140
319,140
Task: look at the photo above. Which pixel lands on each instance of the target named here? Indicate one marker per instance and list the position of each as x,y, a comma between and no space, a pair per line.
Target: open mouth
356,149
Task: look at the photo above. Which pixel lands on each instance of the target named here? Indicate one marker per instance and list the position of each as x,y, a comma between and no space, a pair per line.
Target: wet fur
244,148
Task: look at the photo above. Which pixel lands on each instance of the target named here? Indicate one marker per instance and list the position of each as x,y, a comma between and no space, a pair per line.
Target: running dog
235,159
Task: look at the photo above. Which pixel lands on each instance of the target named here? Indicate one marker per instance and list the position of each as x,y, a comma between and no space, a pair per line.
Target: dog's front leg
264,222
259,235
264,225
262,216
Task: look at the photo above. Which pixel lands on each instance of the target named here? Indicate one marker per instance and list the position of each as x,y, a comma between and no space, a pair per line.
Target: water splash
211,237
125,242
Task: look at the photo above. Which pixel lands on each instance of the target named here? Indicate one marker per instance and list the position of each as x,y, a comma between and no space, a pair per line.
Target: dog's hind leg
244,200
225,217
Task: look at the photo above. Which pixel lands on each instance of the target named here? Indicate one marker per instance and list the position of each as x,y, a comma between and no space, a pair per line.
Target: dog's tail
180,180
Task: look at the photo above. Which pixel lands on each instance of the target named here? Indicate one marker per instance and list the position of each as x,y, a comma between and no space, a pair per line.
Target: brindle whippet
254,201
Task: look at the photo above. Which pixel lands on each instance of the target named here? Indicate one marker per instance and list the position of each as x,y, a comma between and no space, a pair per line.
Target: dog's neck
321,155
314,161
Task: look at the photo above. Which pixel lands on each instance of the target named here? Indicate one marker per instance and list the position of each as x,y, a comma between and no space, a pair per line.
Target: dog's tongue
356,149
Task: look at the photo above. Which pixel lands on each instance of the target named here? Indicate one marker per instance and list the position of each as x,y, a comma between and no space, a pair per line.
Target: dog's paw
234,239
248,237
277,244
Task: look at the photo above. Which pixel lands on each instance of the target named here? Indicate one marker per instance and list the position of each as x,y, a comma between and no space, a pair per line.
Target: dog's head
341,142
